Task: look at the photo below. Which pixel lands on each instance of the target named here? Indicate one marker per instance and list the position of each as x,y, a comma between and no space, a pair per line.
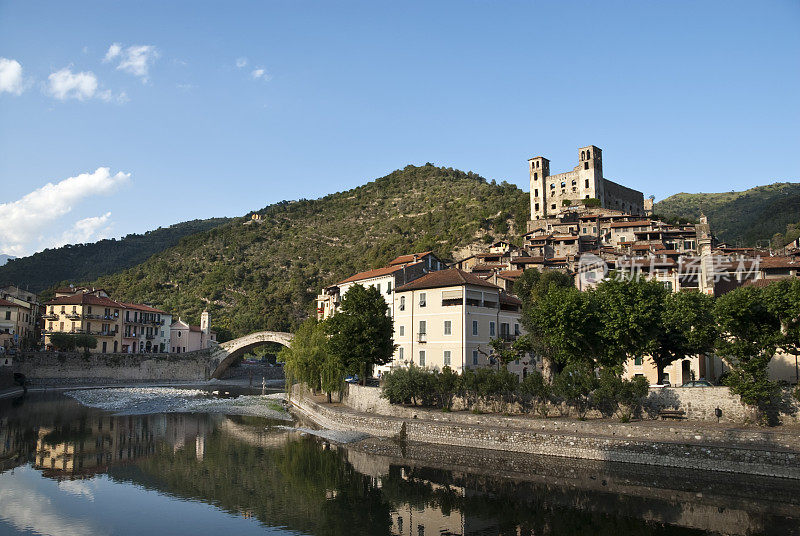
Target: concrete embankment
686,445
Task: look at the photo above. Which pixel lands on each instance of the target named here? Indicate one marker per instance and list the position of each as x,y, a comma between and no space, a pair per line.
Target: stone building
552,194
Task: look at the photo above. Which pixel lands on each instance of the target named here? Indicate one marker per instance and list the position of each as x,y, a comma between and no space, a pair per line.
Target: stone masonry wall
727,451
699,403
188,366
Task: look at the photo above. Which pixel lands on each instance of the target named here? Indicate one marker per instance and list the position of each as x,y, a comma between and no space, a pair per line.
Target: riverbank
686,445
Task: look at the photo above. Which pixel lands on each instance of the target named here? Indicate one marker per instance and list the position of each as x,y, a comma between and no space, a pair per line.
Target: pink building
188,338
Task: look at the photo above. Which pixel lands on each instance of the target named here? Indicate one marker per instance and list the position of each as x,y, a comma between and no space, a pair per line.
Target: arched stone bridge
226,353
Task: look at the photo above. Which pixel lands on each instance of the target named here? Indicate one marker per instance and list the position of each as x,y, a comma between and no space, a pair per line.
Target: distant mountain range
85,262
747,218
5,258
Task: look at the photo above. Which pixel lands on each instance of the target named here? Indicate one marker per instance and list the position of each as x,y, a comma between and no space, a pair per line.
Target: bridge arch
223,355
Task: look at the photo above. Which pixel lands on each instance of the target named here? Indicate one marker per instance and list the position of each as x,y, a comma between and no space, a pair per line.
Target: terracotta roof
527,260
445,278
778,262
761,282
369,274
84,299
637,223
195,328
508,298
483,255
6,303
484,266
509,275
405,259
142,307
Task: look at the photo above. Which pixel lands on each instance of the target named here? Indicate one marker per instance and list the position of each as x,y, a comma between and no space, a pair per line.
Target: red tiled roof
637,223
509,275
527,260
84,299
508,298
142,307
405,259
778,262
445,278
6,303
369,274
761,282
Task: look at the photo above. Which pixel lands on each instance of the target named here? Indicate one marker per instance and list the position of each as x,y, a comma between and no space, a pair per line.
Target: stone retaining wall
699,403
188,366
766,454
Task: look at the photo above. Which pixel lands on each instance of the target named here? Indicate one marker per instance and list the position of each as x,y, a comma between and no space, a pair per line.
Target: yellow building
17,321
449,317
90,313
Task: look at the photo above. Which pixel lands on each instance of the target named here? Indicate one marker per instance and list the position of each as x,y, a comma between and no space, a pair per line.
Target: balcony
50,316
508,337
149,337
422,337
73,316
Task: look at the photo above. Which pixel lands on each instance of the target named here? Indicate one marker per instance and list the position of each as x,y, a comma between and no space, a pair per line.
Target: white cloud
26,219
11,76
135,60
65,84
241,62
86,230
258,73
113,51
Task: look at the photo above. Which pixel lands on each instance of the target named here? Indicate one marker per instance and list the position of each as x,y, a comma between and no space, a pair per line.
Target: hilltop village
448,311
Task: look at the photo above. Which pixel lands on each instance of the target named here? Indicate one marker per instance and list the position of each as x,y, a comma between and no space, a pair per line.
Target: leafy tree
631,320
308,359
63,341
536,391
749,336
448,383
361,333
687,328
783,301
86,342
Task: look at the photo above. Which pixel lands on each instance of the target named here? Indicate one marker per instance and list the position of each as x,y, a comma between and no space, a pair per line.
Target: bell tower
539,168
205,320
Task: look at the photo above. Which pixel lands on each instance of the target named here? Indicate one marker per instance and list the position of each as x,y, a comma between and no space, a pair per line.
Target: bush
614,395
448,383
536,393
412,385
574,385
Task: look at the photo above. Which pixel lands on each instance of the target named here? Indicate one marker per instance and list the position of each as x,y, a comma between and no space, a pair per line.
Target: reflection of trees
298,485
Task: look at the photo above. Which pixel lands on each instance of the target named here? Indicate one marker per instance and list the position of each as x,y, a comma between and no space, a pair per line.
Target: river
196,461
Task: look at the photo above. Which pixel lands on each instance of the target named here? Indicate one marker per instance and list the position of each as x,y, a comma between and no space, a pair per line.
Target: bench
672,414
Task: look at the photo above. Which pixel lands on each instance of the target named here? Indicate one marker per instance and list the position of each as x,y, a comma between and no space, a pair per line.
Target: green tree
749,336
308,359
63,341
631,320
361,332
86,342
687,328
783,301
574,385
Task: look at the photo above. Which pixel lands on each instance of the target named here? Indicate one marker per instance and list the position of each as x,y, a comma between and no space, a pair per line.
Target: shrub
448,383
536,393
574,385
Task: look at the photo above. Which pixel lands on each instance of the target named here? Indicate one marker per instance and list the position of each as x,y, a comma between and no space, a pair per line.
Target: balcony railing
422,337
73,316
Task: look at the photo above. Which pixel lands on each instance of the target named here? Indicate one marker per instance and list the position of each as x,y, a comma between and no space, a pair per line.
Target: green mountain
5,258
745,218
266,275
84,262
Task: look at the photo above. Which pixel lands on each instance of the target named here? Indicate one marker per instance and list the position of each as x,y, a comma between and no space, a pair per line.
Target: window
552,186
586,165
422,358
400,353
389,287
402,303
535,176
585,230
586,183
491,329
516,330
536,192
8,315
563,184
536,207
447,358
448,327
553,206
378,287
637,361
401,330
474,327
422,300
474,357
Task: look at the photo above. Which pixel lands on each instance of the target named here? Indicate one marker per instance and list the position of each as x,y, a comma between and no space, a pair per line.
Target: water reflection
71,469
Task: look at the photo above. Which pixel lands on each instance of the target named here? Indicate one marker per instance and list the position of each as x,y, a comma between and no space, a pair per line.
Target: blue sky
681,96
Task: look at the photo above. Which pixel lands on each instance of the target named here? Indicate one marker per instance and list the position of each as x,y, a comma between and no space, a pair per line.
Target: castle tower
590,172
205,320
539,168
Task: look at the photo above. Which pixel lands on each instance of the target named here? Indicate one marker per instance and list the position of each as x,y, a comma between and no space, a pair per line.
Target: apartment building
145,329
19,311
92,313
400,271
449,317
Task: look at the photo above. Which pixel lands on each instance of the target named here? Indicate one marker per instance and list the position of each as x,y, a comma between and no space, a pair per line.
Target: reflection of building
92,446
